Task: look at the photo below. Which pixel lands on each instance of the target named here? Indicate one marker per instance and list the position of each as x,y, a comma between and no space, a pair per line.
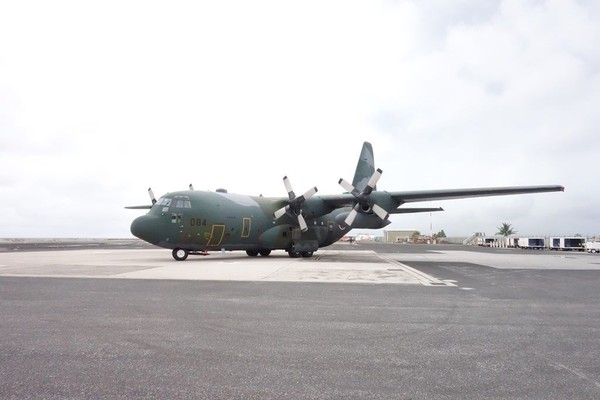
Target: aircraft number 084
197,222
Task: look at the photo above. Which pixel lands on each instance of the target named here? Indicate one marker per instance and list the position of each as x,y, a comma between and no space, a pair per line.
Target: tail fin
365,167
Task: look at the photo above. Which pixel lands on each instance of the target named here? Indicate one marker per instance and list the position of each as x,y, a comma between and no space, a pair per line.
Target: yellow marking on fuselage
246,226
215,233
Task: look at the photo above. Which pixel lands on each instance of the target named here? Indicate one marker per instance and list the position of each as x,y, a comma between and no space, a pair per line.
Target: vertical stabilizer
365,167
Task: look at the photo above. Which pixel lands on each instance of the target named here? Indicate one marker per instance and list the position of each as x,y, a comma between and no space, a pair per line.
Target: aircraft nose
141,228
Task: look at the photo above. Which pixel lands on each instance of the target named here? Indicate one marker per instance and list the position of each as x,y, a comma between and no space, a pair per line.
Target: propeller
294,205
363,198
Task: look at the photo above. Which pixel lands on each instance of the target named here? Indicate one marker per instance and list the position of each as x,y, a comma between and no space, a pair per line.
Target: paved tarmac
364,322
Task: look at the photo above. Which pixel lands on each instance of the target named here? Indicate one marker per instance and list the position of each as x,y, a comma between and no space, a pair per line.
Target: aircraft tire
180,254
252,253
307,254
294,254
265,253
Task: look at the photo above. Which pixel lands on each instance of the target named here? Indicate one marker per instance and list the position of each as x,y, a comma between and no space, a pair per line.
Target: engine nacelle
363,221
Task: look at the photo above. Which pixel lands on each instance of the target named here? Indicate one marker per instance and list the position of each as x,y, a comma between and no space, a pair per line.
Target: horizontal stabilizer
406,210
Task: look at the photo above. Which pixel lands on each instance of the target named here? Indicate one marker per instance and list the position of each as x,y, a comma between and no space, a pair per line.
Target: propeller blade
279,213
346,185
374,179
191,187
151,194
302,223
381,213
288,187
350,218
310,193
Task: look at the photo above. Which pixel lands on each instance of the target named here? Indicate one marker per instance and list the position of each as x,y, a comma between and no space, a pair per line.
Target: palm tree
505,230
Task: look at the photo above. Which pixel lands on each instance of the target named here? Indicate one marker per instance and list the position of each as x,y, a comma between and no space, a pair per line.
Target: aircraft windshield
181,202
176,202
164,202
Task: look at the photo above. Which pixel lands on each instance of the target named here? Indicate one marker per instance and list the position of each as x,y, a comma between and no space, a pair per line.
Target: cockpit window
164,202
182,202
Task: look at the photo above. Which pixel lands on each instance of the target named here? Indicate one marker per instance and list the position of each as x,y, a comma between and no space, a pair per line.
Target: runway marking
574,372
423,278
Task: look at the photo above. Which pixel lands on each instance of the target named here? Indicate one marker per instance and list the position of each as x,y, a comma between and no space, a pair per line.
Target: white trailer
537,243
567,243
592,247
488,241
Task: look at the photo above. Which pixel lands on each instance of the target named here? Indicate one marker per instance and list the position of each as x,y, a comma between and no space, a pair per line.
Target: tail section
365,167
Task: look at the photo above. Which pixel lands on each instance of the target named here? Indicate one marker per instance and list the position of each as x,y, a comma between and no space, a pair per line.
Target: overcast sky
100,100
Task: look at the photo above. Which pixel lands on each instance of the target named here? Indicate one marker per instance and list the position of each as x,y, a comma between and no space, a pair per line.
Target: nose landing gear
180,254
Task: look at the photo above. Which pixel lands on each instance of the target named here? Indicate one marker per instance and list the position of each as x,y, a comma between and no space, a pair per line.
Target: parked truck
592,247
567,243
537,243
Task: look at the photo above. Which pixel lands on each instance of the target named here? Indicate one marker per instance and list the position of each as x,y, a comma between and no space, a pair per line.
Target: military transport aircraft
194,222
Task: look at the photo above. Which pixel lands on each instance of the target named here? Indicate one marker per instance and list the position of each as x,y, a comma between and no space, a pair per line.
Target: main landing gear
297,254
254,253
293,254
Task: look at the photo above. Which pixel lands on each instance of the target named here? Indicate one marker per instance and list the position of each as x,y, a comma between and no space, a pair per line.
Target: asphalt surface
500,333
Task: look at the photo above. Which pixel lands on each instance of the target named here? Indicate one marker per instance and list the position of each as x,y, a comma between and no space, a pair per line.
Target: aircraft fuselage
202,221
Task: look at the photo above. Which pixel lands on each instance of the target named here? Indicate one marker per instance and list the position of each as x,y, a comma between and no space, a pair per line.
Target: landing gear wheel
180,254
252,253
265,253
294,254
307,254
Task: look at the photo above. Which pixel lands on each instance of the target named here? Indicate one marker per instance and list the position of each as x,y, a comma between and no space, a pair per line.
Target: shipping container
567,243
531,243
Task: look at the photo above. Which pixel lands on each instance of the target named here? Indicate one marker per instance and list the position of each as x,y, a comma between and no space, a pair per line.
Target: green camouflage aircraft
194,222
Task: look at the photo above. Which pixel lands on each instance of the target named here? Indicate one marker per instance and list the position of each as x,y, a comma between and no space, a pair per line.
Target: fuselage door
330,227
216,235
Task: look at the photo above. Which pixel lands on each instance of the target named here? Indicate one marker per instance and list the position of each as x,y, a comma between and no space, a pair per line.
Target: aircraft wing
392,201
407,210
448,194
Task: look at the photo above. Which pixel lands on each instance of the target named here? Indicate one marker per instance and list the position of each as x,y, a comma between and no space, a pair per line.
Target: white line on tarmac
574,372
423,278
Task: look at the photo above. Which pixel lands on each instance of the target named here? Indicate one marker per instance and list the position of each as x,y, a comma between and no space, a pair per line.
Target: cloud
100,101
